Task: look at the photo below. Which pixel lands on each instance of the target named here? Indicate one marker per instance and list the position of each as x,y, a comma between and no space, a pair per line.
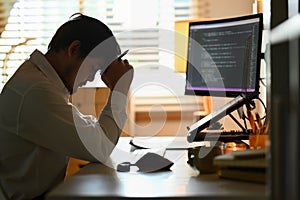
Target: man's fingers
115,72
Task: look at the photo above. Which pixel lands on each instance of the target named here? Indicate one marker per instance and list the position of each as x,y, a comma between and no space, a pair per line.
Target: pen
252,122
258,120
259,123
119,59
123,54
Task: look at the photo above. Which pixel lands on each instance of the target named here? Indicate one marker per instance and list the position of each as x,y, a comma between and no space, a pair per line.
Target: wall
221,8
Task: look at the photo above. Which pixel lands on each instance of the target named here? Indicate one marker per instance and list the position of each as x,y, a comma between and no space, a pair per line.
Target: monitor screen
224,57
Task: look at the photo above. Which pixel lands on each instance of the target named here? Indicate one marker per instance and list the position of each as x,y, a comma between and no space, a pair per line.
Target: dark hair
89,31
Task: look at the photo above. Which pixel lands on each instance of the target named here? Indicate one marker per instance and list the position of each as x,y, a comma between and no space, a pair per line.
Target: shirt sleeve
46,119
113,117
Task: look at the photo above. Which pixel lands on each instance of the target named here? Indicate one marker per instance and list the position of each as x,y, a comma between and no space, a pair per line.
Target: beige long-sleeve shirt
40,129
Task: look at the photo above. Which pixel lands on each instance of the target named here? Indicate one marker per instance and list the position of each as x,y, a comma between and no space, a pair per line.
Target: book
242,159
258,176
247,165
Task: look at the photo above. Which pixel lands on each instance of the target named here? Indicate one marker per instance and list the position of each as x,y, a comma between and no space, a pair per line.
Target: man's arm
47,120
118,78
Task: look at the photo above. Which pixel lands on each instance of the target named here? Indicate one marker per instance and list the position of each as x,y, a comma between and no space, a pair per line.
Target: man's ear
74,48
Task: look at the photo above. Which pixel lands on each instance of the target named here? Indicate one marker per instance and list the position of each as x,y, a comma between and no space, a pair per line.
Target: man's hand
118,76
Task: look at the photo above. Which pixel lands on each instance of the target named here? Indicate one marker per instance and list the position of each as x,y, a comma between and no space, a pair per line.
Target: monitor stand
216,115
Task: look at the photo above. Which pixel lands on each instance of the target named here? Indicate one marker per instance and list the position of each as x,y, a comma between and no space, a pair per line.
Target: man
40,129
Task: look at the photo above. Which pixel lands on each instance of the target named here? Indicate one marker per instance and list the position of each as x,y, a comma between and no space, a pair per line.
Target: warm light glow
181,189
232,146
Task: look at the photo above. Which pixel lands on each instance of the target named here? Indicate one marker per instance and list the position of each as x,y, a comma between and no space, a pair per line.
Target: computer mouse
151,162
124,167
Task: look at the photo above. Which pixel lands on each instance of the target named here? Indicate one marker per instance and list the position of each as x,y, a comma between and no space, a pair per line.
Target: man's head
82,38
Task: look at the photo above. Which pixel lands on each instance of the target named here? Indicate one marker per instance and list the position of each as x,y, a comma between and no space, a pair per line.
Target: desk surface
97,181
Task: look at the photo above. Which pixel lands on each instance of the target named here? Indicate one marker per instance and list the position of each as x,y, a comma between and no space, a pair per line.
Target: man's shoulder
27,77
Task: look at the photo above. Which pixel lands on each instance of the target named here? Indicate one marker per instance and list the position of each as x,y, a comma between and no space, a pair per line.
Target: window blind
26,25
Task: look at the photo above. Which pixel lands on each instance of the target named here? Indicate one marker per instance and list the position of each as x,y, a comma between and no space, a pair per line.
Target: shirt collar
42,63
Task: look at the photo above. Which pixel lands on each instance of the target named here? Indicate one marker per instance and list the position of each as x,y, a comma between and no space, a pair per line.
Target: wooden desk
97,181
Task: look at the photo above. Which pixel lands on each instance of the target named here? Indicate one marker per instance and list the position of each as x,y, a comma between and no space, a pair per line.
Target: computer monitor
224,60
224,57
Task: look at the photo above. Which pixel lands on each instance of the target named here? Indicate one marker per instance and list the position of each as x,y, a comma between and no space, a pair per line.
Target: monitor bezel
222,91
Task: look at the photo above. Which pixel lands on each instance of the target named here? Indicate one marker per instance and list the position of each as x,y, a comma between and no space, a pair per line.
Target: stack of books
246,165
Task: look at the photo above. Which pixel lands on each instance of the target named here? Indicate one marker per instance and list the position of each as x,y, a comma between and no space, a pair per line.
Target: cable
262,82
252,103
